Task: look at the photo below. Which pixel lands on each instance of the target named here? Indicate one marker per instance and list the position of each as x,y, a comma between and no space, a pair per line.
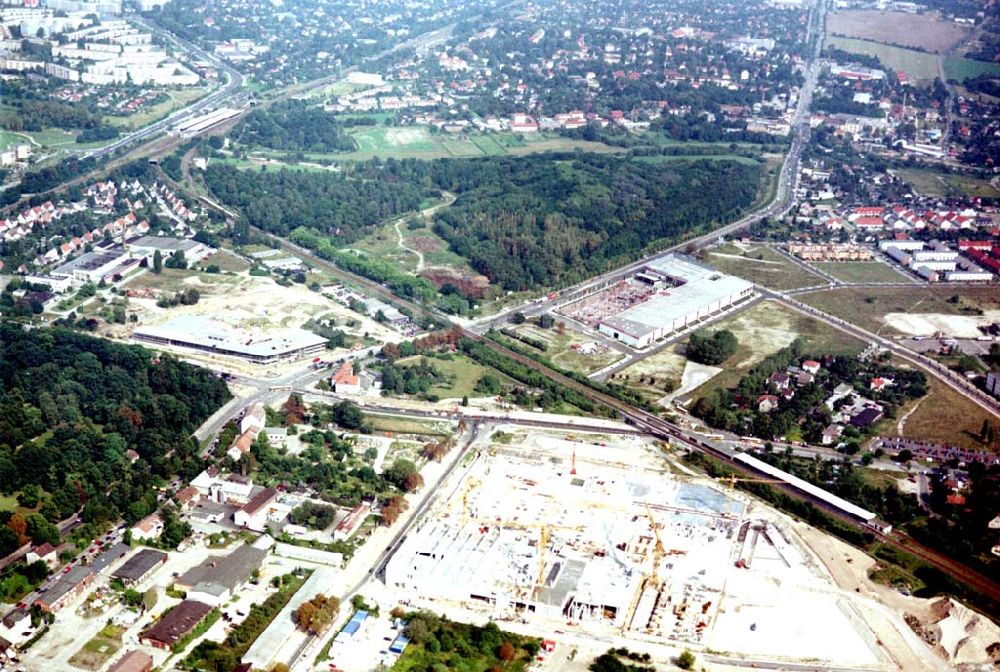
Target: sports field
918,65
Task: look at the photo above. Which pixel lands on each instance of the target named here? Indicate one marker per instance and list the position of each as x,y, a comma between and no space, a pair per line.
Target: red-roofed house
345,381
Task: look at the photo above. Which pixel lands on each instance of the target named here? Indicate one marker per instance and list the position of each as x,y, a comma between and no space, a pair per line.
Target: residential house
780,380
767,403
254,514
45,553
149,527
344,381
175,624
253,419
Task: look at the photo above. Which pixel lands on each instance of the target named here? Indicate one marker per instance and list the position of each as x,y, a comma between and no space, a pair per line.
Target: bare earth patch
906,30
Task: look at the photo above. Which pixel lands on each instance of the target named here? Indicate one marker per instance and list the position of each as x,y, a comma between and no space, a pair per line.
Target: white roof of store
212,333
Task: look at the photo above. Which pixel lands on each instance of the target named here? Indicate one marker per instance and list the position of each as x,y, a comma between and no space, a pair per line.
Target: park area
762,266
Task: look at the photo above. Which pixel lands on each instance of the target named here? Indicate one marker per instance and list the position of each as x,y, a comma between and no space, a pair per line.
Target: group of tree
711,349
315,516
404,475
392,509
413,379
294,126
316,615
541,221
185,297
72,405
436,450
487,646
523,222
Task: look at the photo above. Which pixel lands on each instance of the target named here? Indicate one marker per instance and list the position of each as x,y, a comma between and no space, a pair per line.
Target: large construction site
603,535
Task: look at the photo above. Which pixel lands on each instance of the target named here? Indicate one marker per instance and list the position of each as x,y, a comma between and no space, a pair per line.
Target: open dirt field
928,324
244,301
908,30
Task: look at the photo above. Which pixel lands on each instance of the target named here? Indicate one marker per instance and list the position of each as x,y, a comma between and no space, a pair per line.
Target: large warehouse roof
211,334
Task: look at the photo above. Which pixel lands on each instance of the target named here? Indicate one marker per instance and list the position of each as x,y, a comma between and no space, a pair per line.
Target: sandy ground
849,567
695,375
928,324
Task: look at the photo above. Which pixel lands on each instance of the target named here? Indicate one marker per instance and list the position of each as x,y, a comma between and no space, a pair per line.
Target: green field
419,143
962,69
940,184
398,425
460,372
943,416
7,139
917,65
761,265
860,271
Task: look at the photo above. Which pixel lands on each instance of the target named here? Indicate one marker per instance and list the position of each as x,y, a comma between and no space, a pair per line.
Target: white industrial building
99,265
147,246
686,292
217,338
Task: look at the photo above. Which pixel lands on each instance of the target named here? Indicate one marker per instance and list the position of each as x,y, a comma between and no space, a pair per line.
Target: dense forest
72,405
524,222
293,126
527,223
334,204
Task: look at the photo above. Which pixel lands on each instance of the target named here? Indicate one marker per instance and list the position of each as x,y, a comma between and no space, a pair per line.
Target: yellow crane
658,550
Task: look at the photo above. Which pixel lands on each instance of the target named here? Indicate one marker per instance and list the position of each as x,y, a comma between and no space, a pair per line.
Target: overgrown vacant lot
867,308
762,266
908,30
861,271
943,416
939,184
